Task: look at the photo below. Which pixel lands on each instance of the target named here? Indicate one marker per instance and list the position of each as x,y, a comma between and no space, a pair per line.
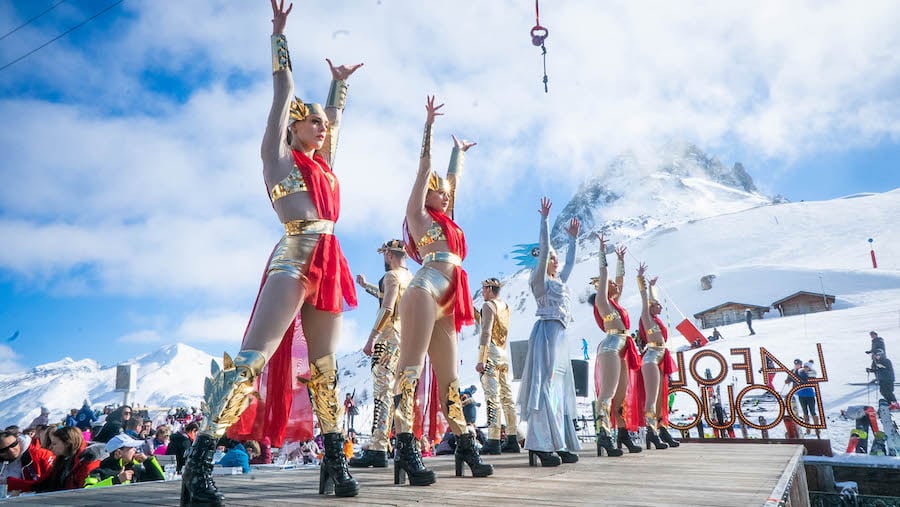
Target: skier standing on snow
884,373
877,343
750,321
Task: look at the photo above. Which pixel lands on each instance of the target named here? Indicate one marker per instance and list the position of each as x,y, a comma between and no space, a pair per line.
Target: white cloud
221,327
143,336
9,360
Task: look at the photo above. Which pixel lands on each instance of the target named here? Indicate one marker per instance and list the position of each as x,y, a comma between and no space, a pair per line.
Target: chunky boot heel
666,437
653,438
408,463
567,457
467,451
197,486
547,459
623,438
604,443
334,476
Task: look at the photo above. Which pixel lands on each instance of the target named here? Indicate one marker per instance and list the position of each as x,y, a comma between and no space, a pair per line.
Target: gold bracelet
620,267
603,263
281,57
382,319
337,94
426,142
642,284
456,162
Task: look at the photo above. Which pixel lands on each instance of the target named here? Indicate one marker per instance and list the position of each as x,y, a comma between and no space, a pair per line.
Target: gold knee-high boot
466,448
333,473
603,428
226,394
408,462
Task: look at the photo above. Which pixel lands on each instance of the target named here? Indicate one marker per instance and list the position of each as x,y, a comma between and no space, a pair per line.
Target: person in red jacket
25,464
73,463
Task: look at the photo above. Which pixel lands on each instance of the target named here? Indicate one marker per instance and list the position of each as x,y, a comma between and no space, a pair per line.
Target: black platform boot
511,444
369,458
408,463
467,452
604,443
548,459
666,437
333,473
623,438
491,447
197,486
567,457
652,437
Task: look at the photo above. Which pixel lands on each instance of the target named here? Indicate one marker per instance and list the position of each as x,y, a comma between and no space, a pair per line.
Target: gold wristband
653,297
603,263
382,319
337,94
483,354
426,141
642,283
456,162
620,267
373,290
281,57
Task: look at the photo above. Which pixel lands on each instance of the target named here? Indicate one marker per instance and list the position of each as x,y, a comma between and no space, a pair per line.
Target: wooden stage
693,474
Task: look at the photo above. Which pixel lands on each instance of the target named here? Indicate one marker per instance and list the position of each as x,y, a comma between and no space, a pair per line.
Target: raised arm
645,296
370,288
620,270
539,275
487,323
273,144
385,311
334,107
572,230
416,204
603,284
454,170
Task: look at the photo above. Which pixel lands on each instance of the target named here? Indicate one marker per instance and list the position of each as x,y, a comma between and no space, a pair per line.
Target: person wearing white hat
125,464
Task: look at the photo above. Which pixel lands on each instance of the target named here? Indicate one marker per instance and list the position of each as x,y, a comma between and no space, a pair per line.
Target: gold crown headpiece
300,110
492,282
394,245
437,183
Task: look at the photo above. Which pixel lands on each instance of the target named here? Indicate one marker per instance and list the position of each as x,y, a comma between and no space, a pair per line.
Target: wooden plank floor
693,474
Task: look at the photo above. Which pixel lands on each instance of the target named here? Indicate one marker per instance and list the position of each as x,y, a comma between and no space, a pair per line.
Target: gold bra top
654,330
434,233
293,183
609,317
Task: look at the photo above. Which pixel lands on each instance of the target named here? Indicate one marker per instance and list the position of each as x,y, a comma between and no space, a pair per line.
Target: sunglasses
10,446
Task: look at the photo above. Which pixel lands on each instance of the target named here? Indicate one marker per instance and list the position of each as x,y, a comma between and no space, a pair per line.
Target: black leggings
887,391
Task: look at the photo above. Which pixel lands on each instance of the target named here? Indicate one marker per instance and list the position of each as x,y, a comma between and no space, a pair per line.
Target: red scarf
326,199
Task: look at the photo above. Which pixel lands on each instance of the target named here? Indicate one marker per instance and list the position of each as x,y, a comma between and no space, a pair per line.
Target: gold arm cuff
653,297
457,159
426,141
642,283
337,94
373,290
382,319
620,267
603,262
483,354
298,227
281,57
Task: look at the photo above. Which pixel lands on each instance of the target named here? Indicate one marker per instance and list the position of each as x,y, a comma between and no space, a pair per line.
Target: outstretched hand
432,110
573,227
642,268
545,207
653,281
361,280
462,145
343,72
279,16
599,237
620,251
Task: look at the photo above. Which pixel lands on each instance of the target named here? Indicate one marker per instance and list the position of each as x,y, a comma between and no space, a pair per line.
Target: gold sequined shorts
292,254
654,354
614,342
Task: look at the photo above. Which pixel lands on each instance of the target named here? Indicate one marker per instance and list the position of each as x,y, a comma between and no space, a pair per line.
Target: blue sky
133,212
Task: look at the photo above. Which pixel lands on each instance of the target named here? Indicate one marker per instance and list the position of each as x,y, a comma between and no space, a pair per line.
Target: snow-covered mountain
687,216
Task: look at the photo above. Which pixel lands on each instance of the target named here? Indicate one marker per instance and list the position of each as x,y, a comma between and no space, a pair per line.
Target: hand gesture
432,110
653,281
279,16
343,72
573,227
367,349
545,207
599,236
642,268
462,145
620,251
139,457
126,475
361,280
479,367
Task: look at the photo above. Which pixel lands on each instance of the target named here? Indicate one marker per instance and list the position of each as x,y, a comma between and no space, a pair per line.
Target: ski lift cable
23,25
538,35
60,36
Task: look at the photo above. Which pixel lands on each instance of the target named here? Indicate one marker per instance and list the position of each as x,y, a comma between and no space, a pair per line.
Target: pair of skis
867,423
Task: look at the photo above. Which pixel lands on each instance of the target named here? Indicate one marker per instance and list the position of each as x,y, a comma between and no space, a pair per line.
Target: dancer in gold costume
433,310
306,274
493,365
384,348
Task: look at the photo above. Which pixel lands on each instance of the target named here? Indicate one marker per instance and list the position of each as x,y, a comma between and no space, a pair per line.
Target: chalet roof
803,293
745,305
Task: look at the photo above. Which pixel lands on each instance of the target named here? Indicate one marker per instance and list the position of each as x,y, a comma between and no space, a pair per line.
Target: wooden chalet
728,313
802,302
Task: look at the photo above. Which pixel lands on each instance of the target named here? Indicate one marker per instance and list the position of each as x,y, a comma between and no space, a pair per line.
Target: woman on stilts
433,309
547,392
306,276
656,366
616,356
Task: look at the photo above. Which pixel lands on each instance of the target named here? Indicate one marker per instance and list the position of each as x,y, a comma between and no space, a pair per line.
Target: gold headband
492,282
394,245
301,111
437,183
